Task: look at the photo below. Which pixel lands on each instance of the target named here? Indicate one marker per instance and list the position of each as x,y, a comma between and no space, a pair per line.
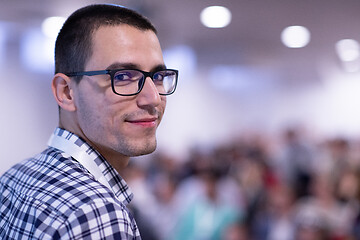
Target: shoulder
98,219
48,172
53,177
95,219
58,196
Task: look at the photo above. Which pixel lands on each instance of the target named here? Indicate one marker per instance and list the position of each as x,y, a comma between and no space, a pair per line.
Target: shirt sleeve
99,220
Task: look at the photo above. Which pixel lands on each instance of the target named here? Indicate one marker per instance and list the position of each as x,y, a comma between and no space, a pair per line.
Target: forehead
124,44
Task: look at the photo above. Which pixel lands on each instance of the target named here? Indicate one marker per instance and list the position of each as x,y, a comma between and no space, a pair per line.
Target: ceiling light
215,17
52,25
347,50
295,36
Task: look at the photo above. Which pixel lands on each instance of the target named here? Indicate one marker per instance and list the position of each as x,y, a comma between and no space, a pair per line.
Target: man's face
114,124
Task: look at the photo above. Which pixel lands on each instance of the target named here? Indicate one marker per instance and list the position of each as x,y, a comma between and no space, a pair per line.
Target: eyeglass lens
131,81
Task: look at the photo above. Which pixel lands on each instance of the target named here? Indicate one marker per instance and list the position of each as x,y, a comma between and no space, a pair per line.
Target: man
110,84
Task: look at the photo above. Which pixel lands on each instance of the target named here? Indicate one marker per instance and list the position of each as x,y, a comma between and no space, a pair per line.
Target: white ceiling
252,39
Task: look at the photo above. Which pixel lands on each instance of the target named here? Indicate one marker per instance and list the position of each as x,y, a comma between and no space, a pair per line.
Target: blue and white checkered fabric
53,196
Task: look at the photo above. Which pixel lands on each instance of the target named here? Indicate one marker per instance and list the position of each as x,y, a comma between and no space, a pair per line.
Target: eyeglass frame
112,73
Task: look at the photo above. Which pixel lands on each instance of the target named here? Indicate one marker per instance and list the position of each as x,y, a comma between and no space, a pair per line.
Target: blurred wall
212,103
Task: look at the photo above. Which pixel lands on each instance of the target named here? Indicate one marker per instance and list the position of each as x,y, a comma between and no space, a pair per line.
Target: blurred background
264,122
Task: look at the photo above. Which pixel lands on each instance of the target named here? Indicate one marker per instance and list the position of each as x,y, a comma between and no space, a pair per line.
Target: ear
62,90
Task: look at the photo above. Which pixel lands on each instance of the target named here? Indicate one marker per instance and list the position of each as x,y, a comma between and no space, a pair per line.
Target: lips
146,122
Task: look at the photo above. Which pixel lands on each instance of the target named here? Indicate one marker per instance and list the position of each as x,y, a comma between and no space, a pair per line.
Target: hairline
104,25
131,19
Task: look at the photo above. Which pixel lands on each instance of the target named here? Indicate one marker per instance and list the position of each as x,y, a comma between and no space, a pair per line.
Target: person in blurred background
110,84
207,217
276,220
296,161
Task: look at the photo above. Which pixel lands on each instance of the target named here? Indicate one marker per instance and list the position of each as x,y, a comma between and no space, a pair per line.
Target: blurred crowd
252,188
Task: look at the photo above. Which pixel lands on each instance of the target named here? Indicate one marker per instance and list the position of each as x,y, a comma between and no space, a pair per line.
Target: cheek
162,105
94,112
89,114
163,100
116,114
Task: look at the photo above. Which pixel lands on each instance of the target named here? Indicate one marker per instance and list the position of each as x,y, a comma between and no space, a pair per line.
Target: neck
116,160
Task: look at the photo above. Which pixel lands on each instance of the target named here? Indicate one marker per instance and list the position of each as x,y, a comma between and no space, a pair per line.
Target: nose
149,95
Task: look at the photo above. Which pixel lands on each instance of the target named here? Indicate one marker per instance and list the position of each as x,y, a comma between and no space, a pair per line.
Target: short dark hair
74,43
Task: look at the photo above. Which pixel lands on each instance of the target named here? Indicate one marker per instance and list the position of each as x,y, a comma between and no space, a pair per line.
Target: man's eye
158,76
122,77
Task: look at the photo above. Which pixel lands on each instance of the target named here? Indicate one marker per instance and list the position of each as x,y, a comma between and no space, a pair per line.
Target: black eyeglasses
129,82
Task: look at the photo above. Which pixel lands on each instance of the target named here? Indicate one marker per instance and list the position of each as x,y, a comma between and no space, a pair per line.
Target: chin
148,151
140,149
149,148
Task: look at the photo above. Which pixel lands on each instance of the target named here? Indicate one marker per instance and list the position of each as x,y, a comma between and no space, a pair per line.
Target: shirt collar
92,160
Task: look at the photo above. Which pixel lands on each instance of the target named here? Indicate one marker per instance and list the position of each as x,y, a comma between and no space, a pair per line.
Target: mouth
144,122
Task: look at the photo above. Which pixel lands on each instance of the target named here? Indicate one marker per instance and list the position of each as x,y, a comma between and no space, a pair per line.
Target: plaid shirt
53,196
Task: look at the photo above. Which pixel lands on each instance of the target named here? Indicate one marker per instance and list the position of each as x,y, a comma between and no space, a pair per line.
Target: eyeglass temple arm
89,73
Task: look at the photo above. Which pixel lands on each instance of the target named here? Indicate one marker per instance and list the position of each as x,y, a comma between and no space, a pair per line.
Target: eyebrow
118,65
